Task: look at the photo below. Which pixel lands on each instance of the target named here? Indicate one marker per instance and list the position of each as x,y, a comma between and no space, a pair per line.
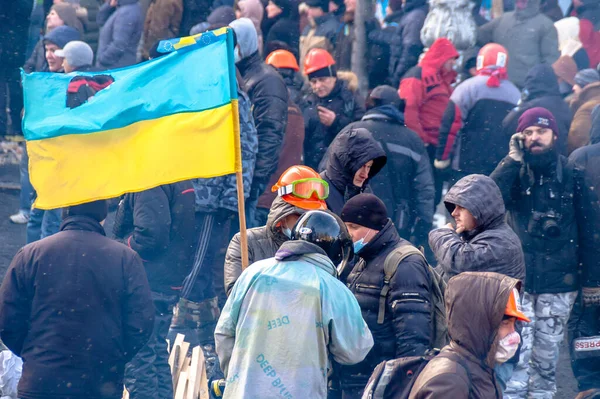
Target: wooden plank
194,378
181,386
183,354
178,341
203,392
125,393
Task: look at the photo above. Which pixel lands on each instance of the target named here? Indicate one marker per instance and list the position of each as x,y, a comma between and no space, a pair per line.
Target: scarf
496,75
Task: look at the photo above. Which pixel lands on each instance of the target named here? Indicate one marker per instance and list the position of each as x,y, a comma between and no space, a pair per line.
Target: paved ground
12,237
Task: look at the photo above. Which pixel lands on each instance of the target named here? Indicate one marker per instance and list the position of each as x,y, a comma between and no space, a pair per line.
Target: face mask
360,244
507,347
236,55
287,232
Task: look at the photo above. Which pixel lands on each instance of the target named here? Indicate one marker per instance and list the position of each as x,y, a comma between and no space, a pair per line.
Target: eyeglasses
305,188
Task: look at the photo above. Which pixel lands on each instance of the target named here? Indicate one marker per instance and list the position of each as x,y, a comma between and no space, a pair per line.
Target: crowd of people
490,109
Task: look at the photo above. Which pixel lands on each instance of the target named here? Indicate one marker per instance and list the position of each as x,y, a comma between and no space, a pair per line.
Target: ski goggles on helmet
305,188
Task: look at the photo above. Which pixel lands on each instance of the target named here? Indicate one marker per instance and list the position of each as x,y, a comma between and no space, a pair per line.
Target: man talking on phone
331,106
538,188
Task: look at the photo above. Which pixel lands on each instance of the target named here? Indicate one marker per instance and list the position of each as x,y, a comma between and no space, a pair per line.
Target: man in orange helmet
331,106
287,66
299,189
483,102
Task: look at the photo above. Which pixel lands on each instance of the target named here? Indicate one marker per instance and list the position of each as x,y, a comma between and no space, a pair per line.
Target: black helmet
329,233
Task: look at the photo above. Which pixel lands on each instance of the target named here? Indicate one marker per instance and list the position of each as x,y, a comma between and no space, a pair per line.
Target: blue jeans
43,223
26,196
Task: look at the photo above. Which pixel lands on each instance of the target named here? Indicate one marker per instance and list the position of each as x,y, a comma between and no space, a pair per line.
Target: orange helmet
301,186
492,55
283,59
318,59
513,307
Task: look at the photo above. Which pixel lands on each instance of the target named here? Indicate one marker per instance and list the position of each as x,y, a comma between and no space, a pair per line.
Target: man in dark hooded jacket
352,160
481,240
585,319
541,90
402,33
269,97
479,327
406,185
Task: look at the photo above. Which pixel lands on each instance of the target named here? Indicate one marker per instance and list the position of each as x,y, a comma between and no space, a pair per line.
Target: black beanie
97,210
365,210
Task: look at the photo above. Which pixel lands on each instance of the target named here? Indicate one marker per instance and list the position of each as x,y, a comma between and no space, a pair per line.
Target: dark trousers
439,176
585,322
11,96
148,375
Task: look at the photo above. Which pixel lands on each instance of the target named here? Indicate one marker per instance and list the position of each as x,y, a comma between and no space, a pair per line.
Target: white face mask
507,347
236,55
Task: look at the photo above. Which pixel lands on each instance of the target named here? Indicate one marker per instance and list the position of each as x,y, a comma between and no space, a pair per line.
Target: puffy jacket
480,144
541,46
582,106
120,33
350,150
88,13
541,90
263,242
269,97
475,304
402,33
406,185
492,246
589,29
408,324
320,33
347,107
586,161
221,192
531,198
282,32
426,90
163,20
283,320
159,225
76,307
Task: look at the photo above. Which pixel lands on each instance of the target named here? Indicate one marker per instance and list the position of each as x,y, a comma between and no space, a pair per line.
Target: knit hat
97,210
62,35
323,4
539,117
365,210
586,76
77,54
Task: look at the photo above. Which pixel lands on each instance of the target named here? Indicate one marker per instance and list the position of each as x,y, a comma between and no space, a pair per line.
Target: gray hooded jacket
492,246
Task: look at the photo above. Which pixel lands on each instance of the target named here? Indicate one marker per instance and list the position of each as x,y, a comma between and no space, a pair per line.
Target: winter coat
285,316
375,63
82,88
88,13
120,33
541,90
76,307
283,33
350,150
492,246
509,30
551,9
582,106
408,324
475,305
263,242
194,12
533,199
295,84
14,19
589,29
480,145
452,19
586,161
406,185
269,98
254,10
426,90
348,108
402,33
163,20
221,192
290,155
320,33
159,225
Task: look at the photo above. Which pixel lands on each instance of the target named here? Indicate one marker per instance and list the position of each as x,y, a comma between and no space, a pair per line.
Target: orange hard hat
492,55
318,59
513,307
301,186
283,59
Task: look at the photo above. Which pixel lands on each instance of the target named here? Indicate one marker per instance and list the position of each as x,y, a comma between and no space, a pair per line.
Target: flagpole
242,212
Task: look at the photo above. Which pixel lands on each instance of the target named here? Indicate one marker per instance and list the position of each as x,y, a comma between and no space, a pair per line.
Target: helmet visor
306,188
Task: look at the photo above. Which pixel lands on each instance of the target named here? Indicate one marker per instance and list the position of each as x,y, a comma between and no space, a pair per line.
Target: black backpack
394,379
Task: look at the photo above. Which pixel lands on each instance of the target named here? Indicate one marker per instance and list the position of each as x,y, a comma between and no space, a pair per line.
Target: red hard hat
317,59
492,55
283,59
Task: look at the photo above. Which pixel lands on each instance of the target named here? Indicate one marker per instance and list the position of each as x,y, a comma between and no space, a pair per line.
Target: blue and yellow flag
169,119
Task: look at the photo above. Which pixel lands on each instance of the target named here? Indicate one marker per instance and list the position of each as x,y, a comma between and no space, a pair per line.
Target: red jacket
590,38
426,90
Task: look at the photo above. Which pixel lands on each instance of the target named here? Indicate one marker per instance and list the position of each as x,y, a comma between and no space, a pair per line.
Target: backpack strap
463,363
390,266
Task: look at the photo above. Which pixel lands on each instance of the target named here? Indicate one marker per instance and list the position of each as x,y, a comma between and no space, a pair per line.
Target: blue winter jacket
120,33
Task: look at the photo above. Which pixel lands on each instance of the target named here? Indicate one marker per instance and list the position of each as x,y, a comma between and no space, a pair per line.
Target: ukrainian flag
169,119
